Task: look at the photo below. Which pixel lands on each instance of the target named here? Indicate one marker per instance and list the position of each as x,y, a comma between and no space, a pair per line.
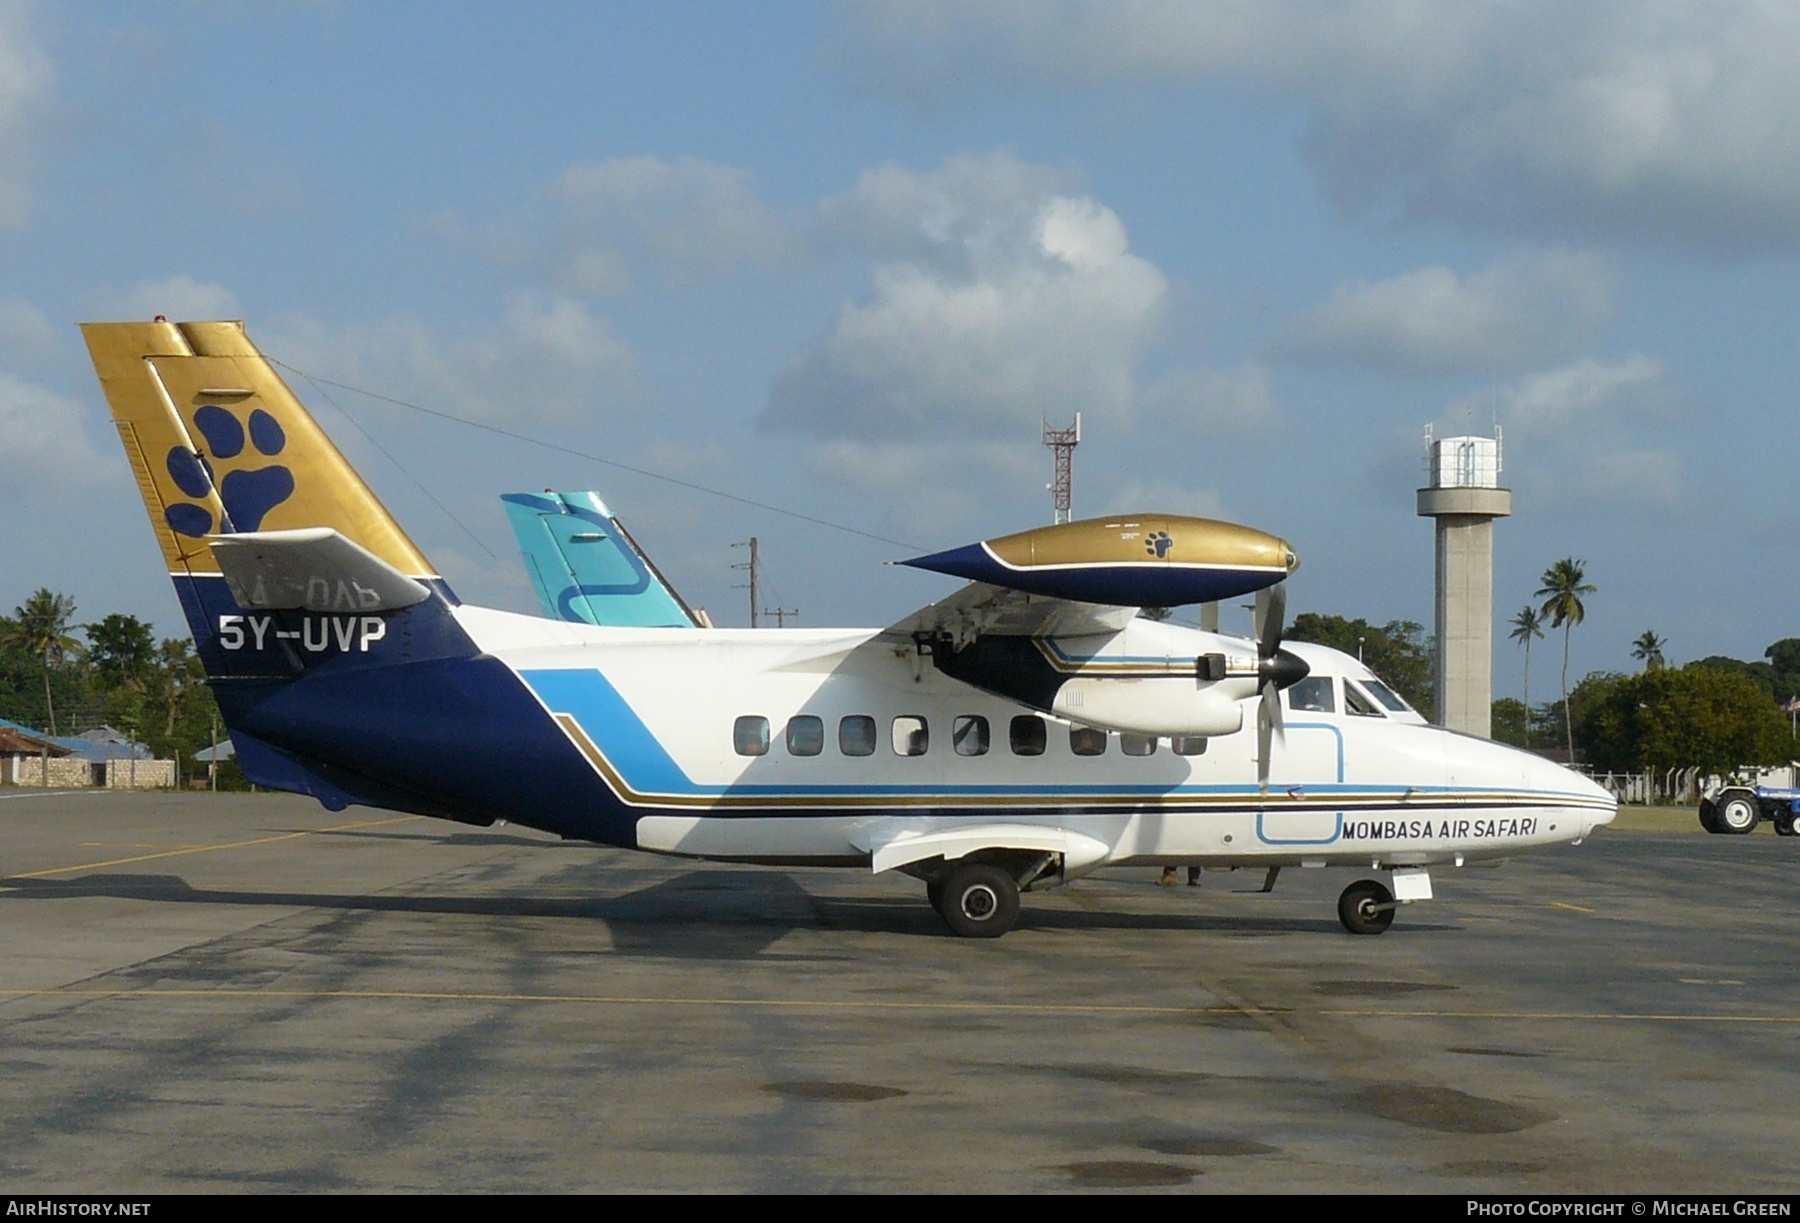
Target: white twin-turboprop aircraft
1023,732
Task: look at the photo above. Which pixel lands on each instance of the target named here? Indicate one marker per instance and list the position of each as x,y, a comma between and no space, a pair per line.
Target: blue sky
842,258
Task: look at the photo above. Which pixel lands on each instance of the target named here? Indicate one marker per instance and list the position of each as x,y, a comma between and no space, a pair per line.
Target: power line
594,458
396,462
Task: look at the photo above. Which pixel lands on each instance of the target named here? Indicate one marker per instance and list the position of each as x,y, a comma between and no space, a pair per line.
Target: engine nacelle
1172,706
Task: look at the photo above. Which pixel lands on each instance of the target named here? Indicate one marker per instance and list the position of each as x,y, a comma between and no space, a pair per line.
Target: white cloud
25,82
1237,399
1522,310
1639,117
1554,401
179,298
26,336
681,220
932,490
1164,497
1635,474
995,301
45,443
1575,435
547,360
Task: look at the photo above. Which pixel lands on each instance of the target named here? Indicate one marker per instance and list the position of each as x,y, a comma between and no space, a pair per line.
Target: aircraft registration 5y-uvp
1025,731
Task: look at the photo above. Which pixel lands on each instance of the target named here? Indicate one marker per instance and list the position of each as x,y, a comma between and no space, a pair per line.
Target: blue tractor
1737,809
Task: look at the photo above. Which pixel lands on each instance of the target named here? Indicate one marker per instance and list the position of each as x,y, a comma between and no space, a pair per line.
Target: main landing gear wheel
1366,907
1737,812
979,900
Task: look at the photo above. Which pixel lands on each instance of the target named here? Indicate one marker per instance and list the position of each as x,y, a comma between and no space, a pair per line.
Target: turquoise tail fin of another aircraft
586,568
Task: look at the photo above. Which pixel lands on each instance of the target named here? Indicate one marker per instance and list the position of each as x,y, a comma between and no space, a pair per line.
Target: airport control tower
1463,494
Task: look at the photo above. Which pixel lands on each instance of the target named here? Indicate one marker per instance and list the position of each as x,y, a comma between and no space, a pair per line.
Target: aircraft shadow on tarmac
703,914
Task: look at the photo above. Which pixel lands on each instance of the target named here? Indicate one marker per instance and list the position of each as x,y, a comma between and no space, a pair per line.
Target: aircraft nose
1585,793
1596,790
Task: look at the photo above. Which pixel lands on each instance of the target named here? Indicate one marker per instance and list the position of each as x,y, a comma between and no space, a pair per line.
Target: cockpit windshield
1386,695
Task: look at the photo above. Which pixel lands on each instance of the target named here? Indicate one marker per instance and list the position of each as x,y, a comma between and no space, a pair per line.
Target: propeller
1276,669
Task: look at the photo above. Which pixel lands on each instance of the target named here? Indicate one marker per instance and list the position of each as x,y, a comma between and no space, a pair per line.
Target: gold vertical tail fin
221,446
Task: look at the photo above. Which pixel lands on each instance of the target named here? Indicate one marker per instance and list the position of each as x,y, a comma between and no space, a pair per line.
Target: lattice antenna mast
1062,488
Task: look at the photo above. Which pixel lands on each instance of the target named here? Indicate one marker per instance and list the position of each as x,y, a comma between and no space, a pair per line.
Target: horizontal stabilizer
897,843
315,568
1145,560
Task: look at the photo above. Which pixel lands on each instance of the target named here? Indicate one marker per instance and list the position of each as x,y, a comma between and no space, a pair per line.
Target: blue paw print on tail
1158,543
248,493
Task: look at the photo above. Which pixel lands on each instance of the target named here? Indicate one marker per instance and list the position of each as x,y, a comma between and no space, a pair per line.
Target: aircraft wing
980,609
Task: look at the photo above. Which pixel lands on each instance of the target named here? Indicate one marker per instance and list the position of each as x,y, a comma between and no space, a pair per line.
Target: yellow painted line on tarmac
1557,904
848,1005
203,849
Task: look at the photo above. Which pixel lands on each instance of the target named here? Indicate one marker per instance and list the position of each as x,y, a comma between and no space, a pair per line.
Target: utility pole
781,614
1062,488
754,565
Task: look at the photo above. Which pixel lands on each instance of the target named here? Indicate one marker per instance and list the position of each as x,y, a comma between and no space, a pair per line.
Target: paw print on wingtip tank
247,494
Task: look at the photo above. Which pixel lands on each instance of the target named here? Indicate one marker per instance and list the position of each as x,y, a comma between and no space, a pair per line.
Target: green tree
40,627
1511,720
1526,626
121,650
1648,649
1563,585
1713,717
1784,665
1396,651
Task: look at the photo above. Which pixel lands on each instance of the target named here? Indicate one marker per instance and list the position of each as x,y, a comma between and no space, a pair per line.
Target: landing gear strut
1366,907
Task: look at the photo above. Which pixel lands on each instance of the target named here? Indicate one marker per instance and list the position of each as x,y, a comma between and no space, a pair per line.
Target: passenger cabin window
1086,741
911,736
805,735
1360,703
1312,694
750,736
1189,745
1029,734
1138,745
969,735
856,735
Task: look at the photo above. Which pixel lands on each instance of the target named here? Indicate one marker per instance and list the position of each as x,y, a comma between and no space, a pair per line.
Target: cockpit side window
1360,703
1312,695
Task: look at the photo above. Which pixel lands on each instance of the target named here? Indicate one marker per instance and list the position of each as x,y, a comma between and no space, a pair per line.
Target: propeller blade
1270,728
1271,613
1265,732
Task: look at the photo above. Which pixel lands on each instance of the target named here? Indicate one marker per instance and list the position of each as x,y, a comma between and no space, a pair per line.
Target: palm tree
1563,587
1525,626
41,628
1648,650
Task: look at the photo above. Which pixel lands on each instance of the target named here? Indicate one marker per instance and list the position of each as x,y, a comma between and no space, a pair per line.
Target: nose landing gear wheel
1366,907
979,900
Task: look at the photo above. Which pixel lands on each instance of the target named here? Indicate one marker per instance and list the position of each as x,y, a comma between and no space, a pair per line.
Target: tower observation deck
1463,496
